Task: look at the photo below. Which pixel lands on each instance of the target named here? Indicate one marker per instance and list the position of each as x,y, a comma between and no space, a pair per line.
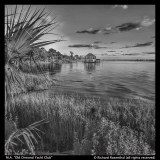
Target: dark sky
109,31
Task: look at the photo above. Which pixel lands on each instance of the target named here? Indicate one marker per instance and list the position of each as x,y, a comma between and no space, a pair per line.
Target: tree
22,31
51,50
71,54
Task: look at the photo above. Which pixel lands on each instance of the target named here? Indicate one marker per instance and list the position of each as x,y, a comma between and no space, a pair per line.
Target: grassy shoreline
36,122
80,124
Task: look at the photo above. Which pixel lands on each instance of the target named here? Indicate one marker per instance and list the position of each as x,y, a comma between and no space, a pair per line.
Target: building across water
91,58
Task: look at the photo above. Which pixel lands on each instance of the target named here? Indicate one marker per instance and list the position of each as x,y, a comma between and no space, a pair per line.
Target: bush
106,127
109,138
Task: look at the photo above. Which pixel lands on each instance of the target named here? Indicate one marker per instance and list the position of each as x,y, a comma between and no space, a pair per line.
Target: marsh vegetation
37,123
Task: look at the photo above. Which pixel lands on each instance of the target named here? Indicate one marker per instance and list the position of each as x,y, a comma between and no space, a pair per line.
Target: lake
107,79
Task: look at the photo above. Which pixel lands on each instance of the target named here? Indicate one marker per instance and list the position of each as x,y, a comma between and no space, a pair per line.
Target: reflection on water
107,79
71,66
55,68
90,67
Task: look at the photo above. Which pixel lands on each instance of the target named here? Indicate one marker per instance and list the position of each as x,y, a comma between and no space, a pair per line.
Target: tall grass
35,69
73,115
23,28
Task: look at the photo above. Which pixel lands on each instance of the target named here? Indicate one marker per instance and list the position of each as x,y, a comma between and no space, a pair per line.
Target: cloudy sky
108,31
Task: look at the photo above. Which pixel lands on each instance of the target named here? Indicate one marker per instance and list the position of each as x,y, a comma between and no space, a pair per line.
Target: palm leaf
22,31
27,135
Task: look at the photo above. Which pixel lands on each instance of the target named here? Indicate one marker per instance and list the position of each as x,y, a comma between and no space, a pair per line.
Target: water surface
107,79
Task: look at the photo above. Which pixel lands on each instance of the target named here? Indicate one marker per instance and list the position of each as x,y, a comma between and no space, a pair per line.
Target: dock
91,60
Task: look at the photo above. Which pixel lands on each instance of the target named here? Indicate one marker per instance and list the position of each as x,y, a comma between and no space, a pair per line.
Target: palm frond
24,33
27,135
23,30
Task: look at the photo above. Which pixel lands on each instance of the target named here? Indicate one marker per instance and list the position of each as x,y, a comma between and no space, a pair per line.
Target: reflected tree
55,68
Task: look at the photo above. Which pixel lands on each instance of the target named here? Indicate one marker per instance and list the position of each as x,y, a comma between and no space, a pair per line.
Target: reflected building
89,67
71,66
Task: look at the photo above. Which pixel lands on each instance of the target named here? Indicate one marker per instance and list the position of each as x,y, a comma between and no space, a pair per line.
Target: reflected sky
108,79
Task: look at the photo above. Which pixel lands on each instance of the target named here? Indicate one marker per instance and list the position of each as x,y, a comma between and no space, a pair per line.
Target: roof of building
90,55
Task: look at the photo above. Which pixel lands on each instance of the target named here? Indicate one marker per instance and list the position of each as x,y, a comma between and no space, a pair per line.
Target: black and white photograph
79,80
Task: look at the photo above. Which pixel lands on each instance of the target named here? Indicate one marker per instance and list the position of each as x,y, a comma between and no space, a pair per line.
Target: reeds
15,136
23,28
68,115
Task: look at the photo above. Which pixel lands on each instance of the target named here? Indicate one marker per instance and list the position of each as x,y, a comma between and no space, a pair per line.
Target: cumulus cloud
140,45
129,26
111,30
121,6
124,6
113,42
136,25
108,28
111,51
147,22
90,31
90,46
115,6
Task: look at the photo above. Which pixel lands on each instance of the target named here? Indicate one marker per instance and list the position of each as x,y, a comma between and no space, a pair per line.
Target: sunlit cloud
110,31
108,28
129,26
124,6
115,6
121,6
147,22
90,31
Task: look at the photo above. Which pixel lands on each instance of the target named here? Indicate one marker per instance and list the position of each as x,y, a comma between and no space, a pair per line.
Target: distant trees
43,53
51,53
71,54
76,57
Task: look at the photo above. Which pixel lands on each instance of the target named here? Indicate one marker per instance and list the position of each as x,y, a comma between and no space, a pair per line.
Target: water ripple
111,79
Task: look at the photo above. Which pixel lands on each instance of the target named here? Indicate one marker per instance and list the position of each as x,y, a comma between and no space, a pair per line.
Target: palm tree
22,32
71,54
